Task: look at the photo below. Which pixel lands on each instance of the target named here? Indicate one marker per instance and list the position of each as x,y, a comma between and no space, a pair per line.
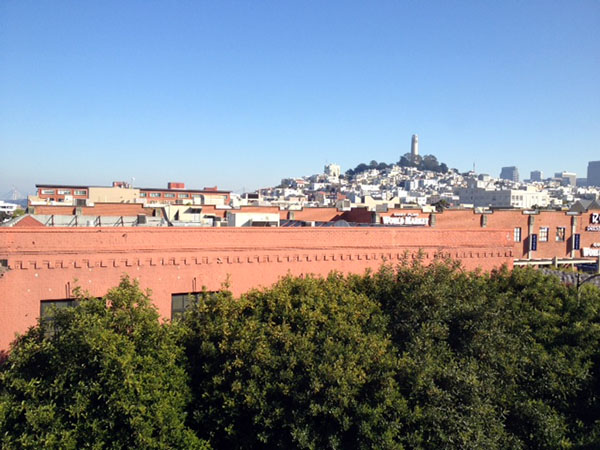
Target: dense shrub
413,356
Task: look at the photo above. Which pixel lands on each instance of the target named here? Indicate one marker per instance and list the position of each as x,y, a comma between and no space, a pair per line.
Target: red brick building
538,235
40,266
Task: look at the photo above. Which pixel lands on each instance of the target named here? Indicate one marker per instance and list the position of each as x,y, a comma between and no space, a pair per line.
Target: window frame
517,234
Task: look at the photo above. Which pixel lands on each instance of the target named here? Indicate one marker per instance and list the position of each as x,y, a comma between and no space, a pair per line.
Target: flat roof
183,190
63,186
70,186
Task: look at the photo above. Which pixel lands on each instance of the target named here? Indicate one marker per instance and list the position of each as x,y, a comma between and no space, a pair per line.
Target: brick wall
316,214
46,264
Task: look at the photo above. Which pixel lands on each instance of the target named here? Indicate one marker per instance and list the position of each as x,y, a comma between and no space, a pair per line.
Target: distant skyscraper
536,175
510,173
593,173
414,147
567,178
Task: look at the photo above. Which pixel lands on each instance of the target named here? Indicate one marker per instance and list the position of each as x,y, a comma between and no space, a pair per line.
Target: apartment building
122,192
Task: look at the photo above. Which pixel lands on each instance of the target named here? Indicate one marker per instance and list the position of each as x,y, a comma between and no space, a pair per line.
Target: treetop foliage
427,162
304,364
411,356
104,374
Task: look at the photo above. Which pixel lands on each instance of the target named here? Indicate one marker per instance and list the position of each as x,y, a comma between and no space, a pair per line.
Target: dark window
48,310
181,302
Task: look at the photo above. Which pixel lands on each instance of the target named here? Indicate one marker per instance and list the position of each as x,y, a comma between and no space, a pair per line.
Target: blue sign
534,242
577,242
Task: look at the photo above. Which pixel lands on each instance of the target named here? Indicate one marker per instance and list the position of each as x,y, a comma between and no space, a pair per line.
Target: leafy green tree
430,162
362,167
506,360
441,205
304,364
556,392
434,314
103,374
407,160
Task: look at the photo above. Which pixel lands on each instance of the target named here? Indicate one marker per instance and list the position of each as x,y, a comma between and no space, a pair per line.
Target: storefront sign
406,219
585,251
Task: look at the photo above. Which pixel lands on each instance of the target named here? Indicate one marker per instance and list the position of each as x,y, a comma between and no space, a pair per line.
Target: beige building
114,195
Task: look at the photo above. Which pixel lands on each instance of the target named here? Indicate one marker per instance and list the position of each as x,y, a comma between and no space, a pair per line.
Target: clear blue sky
241,94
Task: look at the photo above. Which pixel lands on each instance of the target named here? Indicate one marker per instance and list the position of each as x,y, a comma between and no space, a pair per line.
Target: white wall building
504,198
239,219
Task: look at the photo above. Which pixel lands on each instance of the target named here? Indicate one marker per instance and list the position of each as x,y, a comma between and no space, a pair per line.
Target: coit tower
414,147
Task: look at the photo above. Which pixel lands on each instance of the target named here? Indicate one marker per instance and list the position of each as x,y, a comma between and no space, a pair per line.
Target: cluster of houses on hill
395,185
